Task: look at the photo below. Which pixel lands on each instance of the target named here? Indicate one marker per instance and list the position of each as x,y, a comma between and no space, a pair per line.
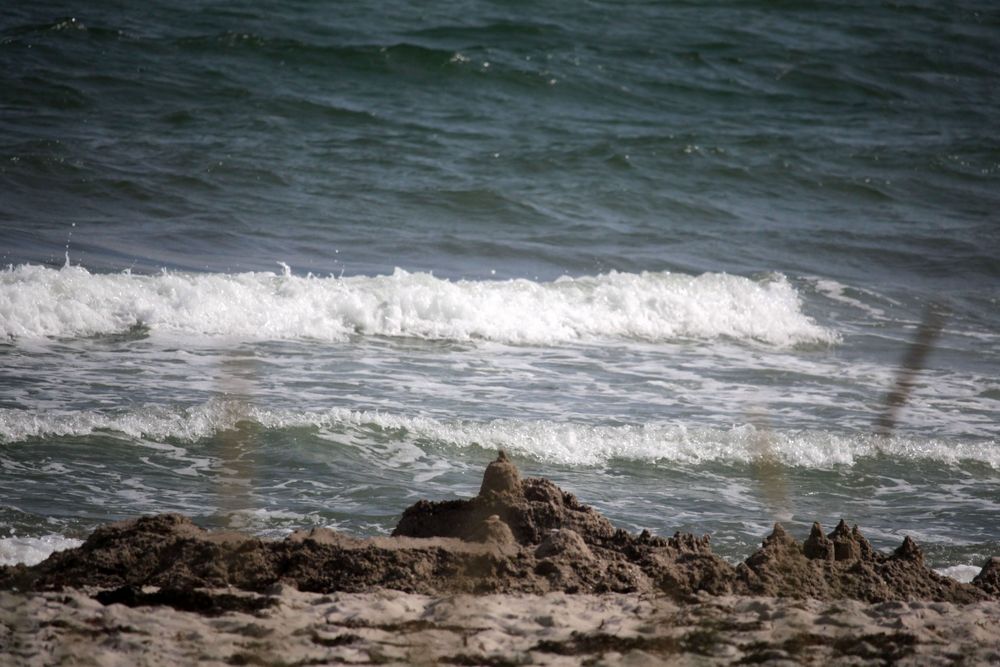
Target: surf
40,302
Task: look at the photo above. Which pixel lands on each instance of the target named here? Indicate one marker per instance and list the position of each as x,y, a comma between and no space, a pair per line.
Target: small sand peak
867,550
818,546
779,537
849,544
501,476
495,530
909,550
842,531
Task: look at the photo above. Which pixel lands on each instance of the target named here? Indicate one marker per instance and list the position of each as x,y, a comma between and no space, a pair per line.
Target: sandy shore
521,574
391,627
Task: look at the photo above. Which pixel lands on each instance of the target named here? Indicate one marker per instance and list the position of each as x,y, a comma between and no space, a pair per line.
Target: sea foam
33,550
962,573
39,302
566,443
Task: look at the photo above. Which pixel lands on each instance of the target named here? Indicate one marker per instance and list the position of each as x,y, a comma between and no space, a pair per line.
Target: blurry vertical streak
768,467
913,362
237,384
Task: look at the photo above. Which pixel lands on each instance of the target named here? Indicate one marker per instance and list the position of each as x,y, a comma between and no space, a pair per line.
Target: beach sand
521,574
392,627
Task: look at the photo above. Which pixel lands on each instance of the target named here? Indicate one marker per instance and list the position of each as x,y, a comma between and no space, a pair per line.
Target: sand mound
517,536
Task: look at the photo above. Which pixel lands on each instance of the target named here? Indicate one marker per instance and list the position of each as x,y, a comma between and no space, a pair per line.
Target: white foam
274,523
962,573
837,292
581,444
568,443
154,422
39,302
33,550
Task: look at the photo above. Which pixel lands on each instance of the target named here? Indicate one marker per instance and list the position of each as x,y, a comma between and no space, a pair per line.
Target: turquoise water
308,264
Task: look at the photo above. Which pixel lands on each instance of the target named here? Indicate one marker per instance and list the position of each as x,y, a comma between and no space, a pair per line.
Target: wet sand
522,574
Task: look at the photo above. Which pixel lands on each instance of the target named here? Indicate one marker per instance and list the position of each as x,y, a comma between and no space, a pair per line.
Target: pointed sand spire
817,545
501,476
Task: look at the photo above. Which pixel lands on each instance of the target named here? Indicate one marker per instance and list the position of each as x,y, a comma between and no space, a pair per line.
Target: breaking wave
566,443
40,302
33,550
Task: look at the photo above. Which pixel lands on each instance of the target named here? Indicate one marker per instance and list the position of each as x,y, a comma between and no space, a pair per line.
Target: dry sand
391,627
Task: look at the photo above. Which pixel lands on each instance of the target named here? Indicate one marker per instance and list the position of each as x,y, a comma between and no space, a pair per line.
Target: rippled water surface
304,266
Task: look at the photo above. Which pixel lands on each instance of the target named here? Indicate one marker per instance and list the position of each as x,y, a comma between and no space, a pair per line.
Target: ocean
303,265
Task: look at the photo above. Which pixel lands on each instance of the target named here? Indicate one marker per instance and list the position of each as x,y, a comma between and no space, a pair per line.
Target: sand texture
391,627
521,574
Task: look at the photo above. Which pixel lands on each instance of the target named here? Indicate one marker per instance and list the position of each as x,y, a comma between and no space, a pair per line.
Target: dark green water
305,264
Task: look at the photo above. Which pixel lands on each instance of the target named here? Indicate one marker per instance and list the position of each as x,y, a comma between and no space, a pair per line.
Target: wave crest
38,302
564,443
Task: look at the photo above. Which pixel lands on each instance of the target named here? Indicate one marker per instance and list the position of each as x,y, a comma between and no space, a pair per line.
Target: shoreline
521,574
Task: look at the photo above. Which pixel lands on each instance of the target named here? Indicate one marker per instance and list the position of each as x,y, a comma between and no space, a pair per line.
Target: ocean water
304,265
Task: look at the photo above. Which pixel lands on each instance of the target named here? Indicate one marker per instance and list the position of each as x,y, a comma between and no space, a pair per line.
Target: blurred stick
768,467
913,363
237,382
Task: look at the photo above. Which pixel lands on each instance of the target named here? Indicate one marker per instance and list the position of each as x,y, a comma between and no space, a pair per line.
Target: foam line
565,443
40,302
